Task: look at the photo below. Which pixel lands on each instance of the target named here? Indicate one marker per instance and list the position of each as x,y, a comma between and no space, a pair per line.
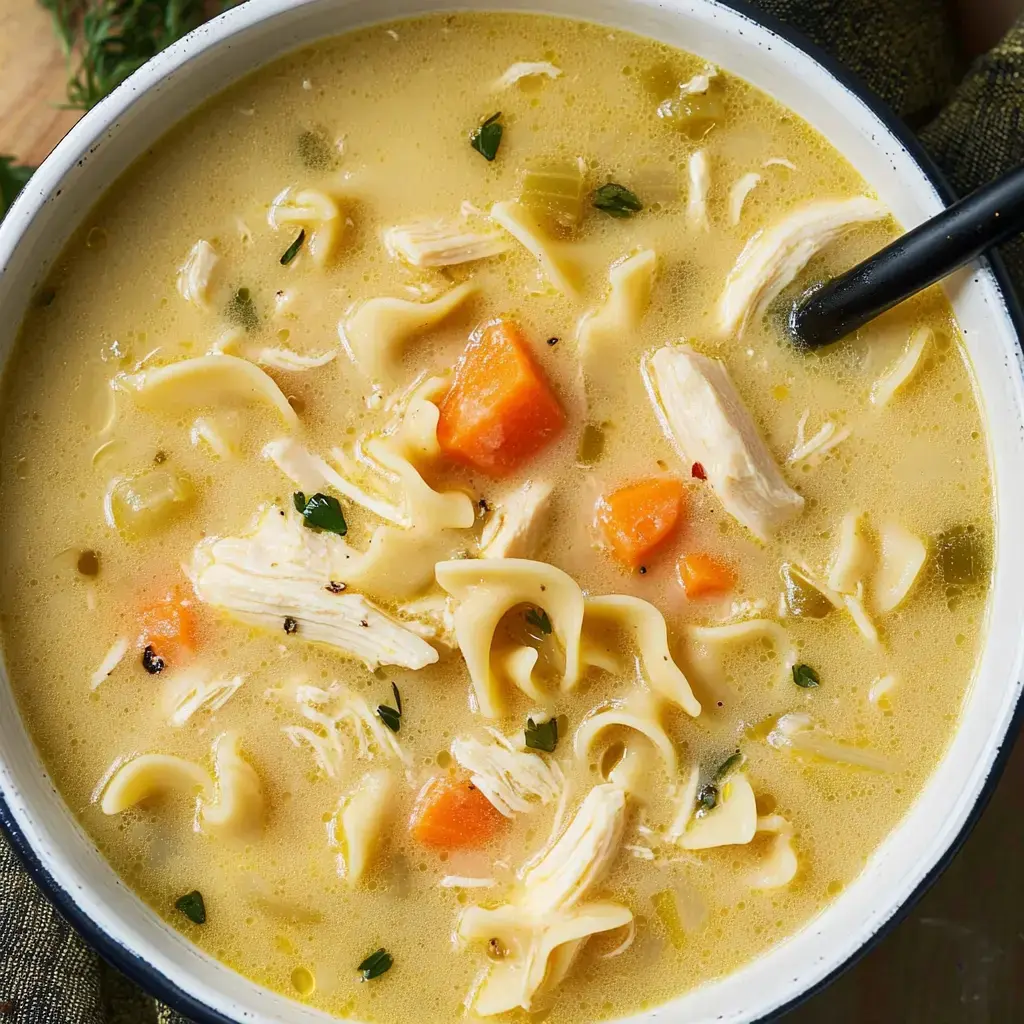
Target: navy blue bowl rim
161,987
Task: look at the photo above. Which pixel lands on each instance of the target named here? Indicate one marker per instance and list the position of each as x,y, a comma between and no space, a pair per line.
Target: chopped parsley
293,250
192,906
616,200
538,618
388,715
321,512
376,964
542,736
805,676
486,138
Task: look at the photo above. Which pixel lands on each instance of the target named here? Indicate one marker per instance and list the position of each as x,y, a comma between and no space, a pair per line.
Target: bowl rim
89,130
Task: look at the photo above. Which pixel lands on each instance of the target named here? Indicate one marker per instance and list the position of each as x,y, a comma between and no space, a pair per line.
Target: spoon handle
991,215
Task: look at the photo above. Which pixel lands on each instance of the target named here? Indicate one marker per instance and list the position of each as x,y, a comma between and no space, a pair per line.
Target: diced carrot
500,410
636,519
169,626
703,575
454,815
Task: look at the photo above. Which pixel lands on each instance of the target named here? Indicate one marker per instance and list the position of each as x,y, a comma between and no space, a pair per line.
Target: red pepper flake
697,470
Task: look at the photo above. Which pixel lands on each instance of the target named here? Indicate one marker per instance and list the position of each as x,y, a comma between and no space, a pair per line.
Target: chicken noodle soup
430,573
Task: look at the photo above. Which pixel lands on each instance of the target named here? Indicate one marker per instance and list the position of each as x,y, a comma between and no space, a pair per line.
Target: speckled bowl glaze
110,137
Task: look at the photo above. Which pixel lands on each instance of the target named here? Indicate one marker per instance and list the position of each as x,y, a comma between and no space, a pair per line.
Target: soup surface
260,607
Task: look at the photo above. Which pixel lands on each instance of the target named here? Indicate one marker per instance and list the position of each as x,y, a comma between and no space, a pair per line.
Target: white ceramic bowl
111,136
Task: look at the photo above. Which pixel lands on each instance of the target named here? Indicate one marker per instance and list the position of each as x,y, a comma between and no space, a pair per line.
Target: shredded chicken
293,362
741,188
900,374
701,411
442,243
342,725
195,690
815,448
518,522
549,923
697,198
515,780
773,257
282,571
797,733
525,69
196,273
110,661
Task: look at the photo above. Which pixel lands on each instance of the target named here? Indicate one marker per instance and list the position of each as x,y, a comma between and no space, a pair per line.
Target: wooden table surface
32,78
958,957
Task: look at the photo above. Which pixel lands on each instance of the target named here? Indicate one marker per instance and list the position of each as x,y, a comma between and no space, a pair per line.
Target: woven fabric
905,50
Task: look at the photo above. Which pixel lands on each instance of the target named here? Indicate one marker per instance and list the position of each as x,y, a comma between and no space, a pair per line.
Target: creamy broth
379,122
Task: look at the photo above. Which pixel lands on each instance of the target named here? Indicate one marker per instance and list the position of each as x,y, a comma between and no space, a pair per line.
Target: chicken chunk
515,528
281,577
773,257
701,411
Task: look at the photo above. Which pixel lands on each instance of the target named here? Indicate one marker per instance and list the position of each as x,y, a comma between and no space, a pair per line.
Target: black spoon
986,218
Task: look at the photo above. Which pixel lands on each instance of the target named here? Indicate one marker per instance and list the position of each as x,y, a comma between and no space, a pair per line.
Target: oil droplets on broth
376,681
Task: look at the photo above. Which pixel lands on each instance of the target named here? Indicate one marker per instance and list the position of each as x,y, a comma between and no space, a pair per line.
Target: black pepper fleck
160,458
334,587
364,624
152,662
552,341
290,625
643,570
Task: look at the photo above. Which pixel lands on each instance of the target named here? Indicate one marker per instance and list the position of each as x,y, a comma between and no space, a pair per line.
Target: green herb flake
542,736
192,906
321,512
539,619
728,766
293,250
242,310
487,137
388,715
375,965
616,200
805,676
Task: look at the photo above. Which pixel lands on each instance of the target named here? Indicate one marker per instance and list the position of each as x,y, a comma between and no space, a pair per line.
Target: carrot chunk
169,626
634,520
500,410
703,575
453,815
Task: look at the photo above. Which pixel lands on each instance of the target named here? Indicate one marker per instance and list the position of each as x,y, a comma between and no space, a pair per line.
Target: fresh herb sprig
321,512
391,716
105,41
542,735
616,200
376,964
486,138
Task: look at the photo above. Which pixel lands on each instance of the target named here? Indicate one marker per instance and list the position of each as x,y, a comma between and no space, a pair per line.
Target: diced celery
668,913
555,192
803,598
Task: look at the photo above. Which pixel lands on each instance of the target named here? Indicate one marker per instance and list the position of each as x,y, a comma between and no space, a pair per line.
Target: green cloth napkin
906,51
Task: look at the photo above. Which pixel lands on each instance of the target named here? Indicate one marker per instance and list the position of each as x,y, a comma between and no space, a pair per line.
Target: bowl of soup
433,582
